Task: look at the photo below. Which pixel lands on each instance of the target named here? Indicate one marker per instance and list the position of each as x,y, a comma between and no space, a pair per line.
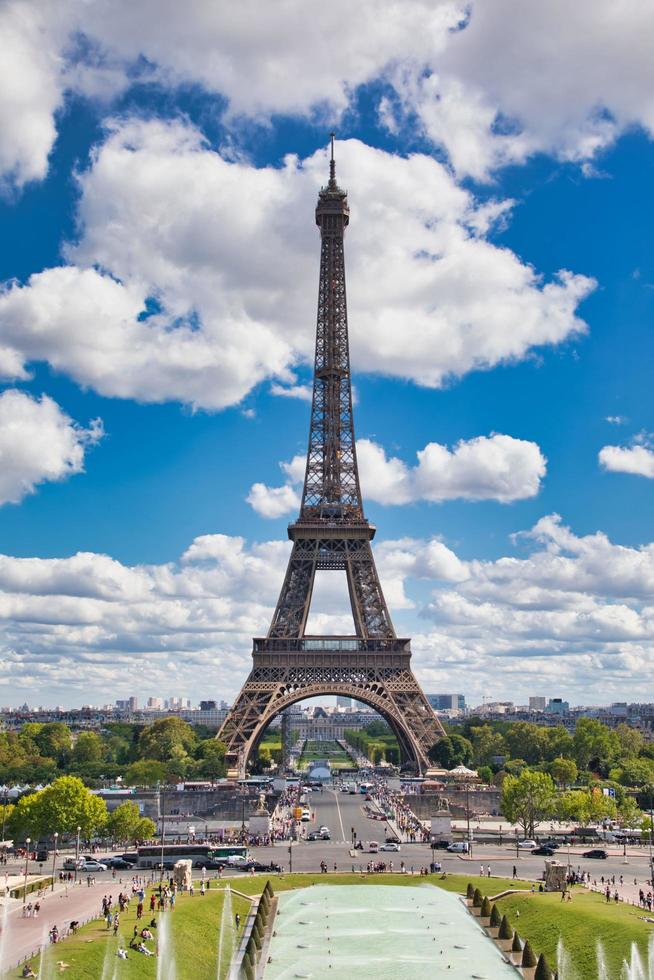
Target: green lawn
195,924
580,923
338,758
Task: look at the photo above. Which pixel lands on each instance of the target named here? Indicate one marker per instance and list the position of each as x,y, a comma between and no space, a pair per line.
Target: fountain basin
383,932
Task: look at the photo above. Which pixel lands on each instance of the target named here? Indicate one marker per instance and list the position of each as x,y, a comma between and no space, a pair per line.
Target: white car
306,816
390,845
93,866
527,845
323,829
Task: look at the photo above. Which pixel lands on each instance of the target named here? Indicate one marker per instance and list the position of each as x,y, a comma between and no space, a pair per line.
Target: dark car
440,845
119,864
212,865
543,851
551,843
596,852
314,835
130,856
257,866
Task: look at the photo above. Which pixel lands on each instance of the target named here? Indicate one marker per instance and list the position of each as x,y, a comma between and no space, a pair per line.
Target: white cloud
303,392
628,459
616,419
227,254
38,443
495,467
574,616
491,83
272,501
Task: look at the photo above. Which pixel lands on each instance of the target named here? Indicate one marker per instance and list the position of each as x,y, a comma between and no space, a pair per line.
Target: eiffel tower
373,666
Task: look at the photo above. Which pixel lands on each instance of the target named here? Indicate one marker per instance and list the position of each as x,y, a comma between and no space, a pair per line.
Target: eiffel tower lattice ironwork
331,533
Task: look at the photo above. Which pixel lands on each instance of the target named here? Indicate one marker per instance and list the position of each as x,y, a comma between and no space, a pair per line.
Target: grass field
195,925
543,918
338,758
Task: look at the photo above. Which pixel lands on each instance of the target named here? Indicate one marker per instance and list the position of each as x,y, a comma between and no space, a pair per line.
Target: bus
201,855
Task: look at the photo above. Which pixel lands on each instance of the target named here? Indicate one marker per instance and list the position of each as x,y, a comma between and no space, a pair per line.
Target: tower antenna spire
332,162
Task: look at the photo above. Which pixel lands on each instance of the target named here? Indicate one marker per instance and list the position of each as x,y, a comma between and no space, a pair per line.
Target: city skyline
157,318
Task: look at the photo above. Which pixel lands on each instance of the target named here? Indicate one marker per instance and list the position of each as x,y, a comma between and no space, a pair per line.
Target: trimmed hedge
32,886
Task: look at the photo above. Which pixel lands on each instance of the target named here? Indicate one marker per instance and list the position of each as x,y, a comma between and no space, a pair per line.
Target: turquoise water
380,931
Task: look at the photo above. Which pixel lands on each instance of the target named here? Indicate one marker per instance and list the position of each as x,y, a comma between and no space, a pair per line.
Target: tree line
168,750
596,773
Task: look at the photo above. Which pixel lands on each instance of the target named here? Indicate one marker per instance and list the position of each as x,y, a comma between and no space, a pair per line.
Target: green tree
25,818
486,744
159,740
594,744
145,772
211,754
629,813
89,747
557,743
67,804
633,772
563,771
451,751
55,740
631,741
528,798
525,741
122,821
145,829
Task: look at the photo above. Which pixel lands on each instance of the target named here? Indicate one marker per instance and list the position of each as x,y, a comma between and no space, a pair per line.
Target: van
459,847
373,847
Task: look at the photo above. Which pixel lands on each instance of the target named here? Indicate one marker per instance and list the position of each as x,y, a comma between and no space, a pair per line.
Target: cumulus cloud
38,443
628,459
496,467
196,273
272,501
565,614
490,83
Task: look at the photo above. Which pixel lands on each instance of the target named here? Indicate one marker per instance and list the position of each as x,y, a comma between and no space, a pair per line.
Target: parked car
543,851
118,863
390,845
70,864
527,845
596,852
93,866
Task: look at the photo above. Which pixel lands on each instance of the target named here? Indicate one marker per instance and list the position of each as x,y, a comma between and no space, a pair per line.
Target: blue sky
160,266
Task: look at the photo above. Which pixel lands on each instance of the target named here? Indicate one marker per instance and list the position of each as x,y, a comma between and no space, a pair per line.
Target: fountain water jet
226,935
564,966
4,926
165,960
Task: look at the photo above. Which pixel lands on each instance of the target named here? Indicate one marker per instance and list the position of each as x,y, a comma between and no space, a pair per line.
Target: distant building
537,704
155,704
447,702
343,702
556,706
208,705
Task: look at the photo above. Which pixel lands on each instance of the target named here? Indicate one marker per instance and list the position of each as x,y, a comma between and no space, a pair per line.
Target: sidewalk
58,907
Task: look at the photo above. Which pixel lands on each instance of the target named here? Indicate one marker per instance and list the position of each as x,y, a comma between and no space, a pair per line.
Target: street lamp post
517,843
468,820
28,841
290,856
79,829
54,858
